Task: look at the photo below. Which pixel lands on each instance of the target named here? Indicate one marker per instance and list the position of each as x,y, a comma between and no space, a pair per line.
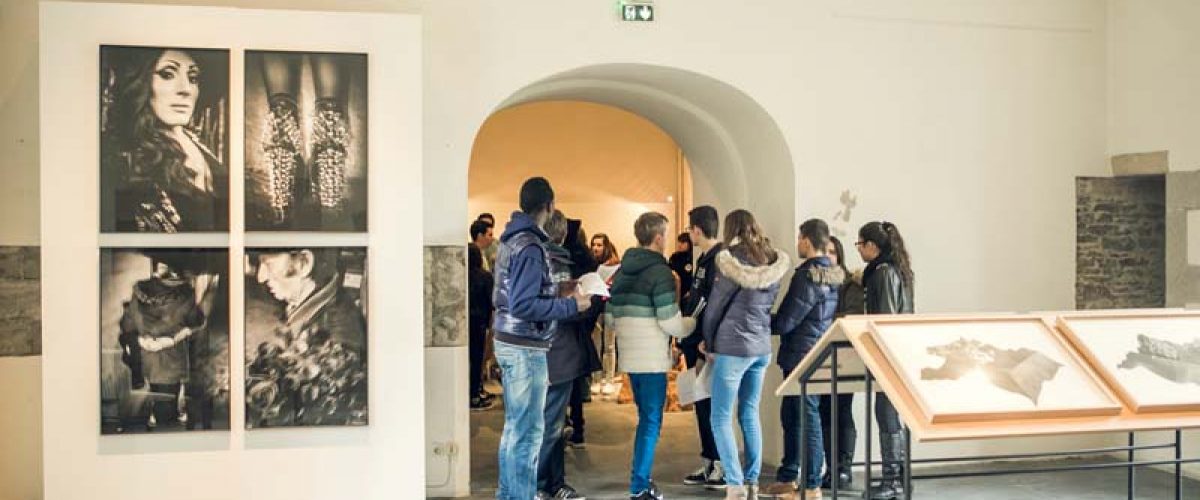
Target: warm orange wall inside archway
606,165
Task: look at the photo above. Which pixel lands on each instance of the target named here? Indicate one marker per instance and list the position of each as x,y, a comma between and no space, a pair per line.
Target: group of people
542,324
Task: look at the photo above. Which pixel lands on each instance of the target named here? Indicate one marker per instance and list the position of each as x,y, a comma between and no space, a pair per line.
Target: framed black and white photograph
306,141
164,340
306,337
164,139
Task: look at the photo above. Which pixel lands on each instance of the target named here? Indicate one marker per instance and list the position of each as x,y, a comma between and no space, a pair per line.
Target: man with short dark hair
482,238
489,251
703,223
645,314
528,305
804,314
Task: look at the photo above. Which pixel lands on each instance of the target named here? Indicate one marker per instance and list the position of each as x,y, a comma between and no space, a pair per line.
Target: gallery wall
949,118
1154,70
356,459
607,165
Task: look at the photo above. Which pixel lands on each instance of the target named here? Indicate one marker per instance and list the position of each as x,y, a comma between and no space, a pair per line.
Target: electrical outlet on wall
445,448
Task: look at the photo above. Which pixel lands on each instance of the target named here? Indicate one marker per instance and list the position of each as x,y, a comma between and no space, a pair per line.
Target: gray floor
601,471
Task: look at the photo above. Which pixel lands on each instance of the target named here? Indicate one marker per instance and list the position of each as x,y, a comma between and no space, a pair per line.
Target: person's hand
702,349
184,333
583,302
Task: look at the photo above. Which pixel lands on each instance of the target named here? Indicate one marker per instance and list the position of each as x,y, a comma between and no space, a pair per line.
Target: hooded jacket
737,319
702,283
526,300
569,356
644,313
807,310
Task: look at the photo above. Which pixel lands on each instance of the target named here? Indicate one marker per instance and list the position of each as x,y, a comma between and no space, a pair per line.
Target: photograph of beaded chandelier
306,141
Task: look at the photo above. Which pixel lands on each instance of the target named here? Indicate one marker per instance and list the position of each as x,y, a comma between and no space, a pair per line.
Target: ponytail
886,236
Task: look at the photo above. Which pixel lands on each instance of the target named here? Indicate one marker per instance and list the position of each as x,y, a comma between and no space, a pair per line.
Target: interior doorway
724,150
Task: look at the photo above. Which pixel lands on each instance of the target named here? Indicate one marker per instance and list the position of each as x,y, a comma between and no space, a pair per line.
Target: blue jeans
650,395
738,381
551,468
811,442
525,384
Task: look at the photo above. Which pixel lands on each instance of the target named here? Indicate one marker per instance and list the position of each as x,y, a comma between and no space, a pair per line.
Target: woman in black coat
888,280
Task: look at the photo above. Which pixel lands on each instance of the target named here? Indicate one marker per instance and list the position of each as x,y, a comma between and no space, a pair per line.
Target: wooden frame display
990,368
1152,361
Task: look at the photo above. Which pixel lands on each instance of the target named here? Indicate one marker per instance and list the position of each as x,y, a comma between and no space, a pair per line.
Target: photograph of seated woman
164,135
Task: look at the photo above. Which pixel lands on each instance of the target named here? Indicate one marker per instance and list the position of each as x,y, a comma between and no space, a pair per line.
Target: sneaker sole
693,482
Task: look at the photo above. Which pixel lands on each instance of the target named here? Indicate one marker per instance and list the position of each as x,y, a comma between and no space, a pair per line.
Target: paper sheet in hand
593,284
694,384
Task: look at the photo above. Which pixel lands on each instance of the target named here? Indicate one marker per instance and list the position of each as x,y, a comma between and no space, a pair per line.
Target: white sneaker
595,387
608,389
716,477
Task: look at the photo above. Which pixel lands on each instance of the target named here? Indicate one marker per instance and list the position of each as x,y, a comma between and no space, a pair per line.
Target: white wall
1154,74
962,121
378,461
1154,100
20,428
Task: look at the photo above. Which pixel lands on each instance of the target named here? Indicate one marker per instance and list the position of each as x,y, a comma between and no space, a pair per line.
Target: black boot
891,487
845,471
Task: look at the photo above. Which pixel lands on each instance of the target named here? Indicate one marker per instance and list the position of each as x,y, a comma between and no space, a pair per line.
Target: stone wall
445,296
1120,242
20,301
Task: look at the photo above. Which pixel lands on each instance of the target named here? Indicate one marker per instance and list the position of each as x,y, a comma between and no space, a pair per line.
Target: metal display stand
830,353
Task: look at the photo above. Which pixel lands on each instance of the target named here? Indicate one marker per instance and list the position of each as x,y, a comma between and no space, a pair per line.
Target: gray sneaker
567,493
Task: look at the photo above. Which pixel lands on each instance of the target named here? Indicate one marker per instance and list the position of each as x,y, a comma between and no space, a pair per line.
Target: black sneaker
653,493
716,477
480,404
700,477
566,492
576,442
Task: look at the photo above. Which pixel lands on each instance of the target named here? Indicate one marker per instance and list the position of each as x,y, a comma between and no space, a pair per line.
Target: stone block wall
445,296
1120,242
20,301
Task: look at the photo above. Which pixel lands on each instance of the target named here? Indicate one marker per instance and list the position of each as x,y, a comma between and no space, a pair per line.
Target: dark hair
556,227
816,231
649,225
740,225
705,219
887,237
840,252
479,228
610,250
684,238
536,195
128,124
486,215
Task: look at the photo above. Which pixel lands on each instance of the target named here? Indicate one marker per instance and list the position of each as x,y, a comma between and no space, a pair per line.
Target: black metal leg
1178,464
907,464
1130,478
803,433
870,419
835,459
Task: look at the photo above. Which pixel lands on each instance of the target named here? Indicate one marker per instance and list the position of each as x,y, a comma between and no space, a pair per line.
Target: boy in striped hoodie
644,313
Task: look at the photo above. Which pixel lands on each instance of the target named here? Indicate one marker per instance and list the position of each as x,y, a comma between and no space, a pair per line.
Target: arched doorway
737,153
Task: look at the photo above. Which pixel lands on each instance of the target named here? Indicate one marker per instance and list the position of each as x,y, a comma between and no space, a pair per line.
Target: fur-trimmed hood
751,276
826,275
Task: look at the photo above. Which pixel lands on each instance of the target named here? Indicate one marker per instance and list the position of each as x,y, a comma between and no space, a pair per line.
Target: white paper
694,384
593,284
606,272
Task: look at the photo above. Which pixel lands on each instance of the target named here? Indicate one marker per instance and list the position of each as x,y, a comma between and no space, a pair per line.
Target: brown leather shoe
779,490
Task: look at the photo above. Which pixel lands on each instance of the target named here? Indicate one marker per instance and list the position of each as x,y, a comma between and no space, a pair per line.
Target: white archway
737,152
731,141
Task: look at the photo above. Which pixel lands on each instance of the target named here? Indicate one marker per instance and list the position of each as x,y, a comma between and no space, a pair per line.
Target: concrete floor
602,470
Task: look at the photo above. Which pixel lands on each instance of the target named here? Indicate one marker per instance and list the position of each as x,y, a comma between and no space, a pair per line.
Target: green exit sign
637,12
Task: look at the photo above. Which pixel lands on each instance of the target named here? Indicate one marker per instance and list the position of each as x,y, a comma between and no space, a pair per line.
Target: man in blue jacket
805,313
528,305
